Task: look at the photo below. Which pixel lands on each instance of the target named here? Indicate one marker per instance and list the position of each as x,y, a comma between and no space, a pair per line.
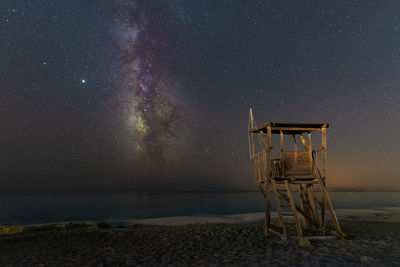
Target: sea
114,207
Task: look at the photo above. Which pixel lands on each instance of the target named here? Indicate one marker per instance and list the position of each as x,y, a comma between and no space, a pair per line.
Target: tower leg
279,210
304,205
328,202
267,208
311,200
323,214
296,221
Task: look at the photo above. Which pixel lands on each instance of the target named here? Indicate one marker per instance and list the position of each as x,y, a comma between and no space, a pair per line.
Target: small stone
304,242
365,259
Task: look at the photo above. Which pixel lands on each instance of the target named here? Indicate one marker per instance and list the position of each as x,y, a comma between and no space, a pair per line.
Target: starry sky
154,95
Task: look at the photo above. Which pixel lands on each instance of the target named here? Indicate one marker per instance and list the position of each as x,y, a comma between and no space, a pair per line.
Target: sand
372,238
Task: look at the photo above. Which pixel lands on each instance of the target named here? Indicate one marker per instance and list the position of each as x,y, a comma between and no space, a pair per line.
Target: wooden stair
308,210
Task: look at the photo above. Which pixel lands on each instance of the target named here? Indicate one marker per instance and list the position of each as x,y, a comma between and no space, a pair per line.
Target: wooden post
331,211
269,147
311,200
295,149
304,142
291,201
309,150
323,178
279,210
324,153
304,206
282,157
252,134
267,180
267,209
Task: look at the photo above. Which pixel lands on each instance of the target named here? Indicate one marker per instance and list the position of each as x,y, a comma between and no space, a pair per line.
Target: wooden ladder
285,193
307,209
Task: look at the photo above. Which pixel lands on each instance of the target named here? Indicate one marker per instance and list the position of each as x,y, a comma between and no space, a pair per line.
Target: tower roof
289,128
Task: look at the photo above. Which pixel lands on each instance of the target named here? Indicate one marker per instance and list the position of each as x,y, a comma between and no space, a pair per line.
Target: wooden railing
260,166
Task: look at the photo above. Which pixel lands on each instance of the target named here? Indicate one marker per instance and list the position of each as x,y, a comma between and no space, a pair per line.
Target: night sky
154,95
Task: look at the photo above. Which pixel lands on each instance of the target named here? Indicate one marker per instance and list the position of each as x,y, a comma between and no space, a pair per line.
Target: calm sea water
30,209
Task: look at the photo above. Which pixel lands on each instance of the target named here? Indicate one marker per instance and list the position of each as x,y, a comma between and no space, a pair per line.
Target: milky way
149,89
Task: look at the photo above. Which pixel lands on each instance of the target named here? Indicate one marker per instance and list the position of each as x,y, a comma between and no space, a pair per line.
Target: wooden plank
286,130
318,149
267,208
295,149
324,155
282,154
278,209
297,207
303,182
276,127
334,219
304,206
295,129
303,141
309,150
263,142
310,196
276,229
301,167
269,137
267,181
323,178
299,124
292,204
252,134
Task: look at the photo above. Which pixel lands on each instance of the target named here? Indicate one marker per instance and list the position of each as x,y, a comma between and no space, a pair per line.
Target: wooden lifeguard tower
293,176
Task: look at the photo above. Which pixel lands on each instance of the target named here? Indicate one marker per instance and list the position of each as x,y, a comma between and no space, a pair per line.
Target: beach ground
372,238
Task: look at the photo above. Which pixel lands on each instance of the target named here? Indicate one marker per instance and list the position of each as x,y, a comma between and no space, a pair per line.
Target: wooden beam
295,149
278,209
302,129
311,200
303,141
296,221
318,149
309,150
286,129
275,229
324,155
252,134
323,178
267,208
282,154
304,206
334,219
297,207
267,146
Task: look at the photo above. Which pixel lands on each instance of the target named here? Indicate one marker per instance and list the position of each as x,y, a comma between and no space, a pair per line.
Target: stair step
287,213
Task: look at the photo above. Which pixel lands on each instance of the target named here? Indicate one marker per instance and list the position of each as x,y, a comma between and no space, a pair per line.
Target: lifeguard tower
296,178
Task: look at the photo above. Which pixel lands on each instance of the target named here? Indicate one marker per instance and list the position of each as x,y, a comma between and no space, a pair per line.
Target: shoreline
228,218
256,216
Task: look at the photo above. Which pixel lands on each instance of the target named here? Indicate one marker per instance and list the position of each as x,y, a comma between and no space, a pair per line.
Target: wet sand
372,238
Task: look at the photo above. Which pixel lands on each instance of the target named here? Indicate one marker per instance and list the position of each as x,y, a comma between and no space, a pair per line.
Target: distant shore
372,238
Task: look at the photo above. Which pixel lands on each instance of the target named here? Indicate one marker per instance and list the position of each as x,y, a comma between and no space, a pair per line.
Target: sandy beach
372,238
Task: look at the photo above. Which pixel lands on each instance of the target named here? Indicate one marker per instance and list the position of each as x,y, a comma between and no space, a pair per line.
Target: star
83,81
